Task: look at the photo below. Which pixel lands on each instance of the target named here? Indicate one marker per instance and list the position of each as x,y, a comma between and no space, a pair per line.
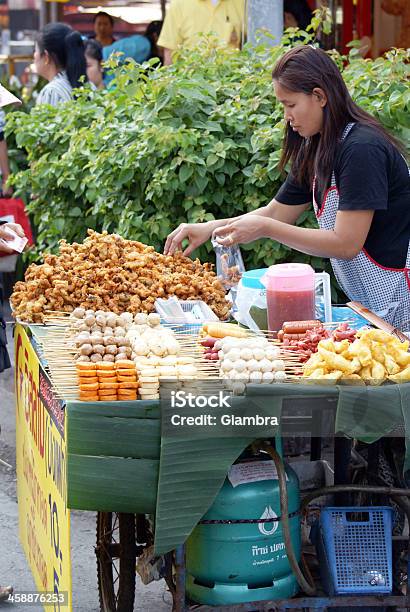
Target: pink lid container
289,277
290,294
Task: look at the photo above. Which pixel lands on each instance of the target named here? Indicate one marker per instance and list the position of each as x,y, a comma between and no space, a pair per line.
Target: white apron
385,291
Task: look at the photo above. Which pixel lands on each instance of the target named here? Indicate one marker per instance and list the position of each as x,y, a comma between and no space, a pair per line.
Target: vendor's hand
196,233
243,230
4,235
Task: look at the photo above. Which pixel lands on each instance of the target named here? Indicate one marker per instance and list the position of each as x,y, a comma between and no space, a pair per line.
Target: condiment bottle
290,294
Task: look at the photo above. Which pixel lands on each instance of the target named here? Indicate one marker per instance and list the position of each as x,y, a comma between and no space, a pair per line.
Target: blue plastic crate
355,550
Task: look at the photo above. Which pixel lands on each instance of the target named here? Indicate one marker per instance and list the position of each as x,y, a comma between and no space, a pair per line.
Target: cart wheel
116,553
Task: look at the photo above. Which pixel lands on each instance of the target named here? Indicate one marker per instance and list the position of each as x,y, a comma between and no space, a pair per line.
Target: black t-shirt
370,174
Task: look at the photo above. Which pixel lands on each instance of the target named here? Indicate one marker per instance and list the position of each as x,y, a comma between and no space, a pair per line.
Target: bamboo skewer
59,350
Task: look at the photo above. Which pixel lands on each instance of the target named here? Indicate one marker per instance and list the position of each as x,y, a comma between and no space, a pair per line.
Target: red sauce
289,306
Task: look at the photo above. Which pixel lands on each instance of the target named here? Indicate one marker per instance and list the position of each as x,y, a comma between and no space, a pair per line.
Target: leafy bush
194,141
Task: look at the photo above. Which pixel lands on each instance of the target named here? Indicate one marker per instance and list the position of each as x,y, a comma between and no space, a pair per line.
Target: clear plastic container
290,294
323,299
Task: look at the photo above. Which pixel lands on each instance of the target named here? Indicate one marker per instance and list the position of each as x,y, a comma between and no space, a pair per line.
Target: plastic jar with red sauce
290,294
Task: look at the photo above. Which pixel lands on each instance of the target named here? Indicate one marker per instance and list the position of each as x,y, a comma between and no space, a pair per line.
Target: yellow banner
44,520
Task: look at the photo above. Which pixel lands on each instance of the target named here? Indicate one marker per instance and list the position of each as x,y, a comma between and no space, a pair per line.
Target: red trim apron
385,291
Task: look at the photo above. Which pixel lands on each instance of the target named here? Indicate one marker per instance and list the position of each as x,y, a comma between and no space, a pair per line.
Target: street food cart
152,484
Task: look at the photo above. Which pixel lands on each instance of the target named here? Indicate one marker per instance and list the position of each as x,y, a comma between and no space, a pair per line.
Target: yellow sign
44,520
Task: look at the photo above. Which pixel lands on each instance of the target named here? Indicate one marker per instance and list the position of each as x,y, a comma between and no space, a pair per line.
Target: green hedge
197,140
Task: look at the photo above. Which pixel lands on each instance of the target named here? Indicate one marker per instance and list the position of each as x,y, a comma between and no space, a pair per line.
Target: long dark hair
154,27
65,46
302,69
152,33
94,49
300,11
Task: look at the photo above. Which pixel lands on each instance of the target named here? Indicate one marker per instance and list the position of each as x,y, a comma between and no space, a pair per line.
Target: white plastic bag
246,298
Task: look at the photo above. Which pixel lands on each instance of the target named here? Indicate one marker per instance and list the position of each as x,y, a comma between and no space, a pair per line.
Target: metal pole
179,603
53,12
265,15
42,14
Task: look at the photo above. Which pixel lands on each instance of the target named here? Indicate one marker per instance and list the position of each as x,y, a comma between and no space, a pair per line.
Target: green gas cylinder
238,562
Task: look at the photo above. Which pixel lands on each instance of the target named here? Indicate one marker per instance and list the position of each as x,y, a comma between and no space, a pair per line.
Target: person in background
152,33
296,14
4,357
104,28
59,58
5,237
187,20
94,58
136,47
4,158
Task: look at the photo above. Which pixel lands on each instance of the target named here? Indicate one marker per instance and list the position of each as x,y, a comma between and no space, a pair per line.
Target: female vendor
355,174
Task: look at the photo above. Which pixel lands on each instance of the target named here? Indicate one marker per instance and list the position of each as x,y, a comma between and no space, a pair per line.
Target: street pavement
13,566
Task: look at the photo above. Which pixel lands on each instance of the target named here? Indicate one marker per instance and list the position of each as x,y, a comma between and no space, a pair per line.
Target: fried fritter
107,272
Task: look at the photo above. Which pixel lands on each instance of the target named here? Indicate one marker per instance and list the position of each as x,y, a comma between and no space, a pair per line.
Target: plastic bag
229,269
251,307
229,264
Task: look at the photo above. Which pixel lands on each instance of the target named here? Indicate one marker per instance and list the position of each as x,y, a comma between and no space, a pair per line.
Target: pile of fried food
107,272
374,357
